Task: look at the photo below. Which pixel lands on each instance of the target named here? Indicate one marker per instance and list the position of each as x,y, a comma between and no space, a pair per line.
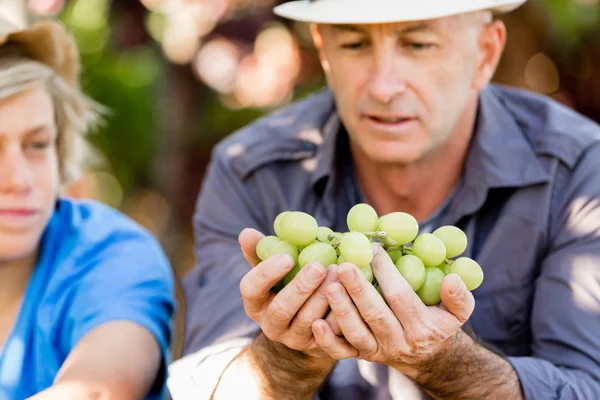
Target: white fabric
382,11
195,376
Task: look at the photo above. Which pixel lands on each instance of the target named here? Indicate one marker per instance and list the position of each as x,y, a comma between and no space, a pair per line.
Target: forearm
468,370
272,371
73,390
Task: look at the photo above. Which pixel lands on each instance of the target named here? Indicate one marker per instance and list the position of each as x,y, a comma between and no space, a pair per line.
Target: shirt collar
327,149
500,156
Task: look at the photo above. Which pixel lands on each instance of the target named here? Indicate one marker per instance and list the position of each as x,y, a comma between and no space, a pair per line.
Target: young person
86,294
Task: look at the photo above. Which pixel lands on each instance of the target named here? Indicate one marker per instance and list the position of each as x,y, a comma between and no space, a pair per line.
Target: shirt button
514,325
203,280
308,146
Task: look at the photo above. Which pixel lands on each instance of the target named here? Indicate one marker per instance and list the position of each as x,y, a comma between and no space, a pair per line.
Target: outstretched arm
117,360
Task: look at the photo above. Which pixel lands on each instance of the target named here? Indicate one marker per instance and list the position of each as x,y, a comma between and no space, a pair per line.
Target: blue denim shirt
529,203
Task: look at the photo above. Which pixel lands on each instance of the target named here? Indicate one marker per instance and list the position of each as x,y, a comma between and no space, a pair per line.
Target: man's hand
406,334
285,317
286,347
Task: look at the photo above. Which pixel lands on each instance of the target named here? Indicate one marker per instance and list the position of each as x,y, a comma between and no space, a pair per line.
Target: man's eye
353,45
419,46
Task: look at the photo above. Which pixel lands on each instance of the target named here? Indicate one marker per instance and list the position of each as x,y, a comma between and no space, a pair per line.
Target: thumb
248,239
456,298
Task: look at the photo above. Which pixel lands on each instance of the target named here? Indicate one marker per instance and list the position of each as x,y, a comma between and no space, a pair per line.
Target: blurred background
179,75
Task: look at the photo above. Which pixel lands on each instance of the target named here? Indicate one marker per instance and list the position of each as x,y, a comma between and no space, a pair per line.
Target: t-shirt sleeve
125,277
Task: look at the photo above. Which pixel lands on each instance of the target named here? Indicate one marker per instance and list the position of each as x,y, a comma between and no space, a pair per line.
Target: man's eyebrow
420,27
348,28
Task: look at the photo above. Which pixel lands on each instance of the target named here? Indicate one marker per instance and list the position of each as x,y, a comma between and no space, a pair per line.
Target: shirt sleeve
217,327
565,320
125,277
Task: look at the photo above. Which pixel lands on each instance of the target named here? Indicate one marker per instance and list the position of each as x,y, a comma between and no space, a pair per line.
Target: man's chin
394,154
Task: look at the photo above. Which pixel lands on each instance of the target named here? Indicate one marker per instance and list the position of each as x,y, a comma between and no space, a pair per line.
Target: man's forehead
398,27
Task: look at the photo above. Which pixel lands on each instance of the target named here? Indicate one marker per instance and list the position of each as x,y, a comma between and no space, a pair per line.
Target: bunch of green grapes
423,260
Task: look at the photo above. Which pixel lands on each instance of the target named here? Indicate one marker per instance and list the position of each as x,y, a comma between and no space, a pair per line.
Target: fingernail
346,273
320,330
284,260
313,272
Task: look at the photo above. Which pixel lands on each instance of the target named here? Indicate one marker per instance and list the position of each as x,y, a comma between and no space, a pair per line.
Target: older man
410,122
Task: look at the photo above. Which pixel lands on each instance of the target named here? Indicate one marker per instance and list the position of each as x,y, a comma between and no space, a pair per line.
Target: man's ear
317,35
491,43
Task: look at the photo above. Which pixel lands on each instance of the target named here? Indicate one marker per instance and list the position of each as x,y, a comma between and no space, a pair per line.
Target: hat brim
357,12
49,43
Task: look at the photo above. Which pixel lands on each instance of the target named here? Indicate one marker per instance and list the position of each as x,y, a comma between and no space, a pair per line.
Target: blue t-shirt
95,265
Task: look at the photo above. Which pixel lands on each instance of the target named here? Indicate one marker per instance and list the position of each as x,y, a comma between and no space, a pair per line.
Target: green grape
340,260
412,269
263,245
395,255
430,249
362,218
320,252
429,292
367,271
443,267
400,227
281,247
468,270
323,233
277,223
355,248
454,239
298,228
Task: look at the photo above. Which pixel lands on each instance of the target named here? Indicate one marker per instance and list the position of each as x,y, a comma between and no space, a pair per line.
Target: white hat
382,11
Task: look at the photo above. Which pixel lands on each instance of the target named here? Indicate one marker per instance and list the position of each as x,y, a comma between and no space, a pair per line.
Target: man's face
402,88
29,173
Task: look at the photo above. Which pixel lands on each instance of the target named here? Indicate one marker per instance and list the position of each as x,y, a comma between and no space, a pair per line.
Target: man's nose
387,77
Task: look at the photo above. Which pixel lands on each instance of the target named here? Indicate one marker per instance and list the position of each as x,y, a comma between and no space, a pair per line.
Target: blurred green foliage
123,81
572,21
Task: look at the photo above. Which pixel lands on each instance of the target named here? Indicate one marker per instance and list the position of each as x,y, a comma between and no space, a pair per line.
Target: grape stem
405,250
333,236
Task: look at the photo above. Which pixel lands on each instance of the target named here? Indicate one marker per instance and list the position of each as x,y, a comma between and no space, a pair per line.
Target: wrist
262,349
441,359
286,373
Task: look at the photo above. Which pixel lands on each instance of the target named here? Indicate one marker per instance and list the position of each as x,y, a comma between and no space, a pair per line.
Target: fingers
255,286
352,324
314,308
291,298
456,298
332,321
248,240
335,346
369,303
399,295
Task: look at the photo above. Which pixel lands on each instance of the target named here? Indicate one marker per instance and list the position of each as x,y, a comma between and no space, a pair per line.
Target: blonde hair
76,114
